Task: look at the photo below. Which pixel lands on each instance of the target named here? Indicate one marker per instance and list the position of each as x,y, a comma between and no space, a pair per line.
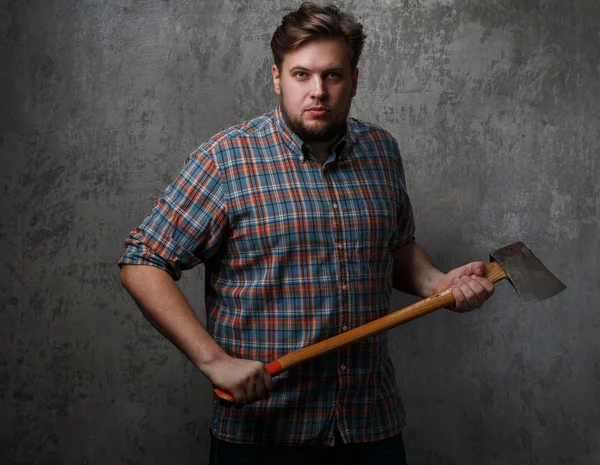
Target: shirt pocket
377,226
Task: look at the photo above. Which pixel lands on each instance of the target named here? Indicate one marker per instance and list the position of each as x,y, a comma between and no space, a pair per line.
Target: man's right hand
163,303
246,380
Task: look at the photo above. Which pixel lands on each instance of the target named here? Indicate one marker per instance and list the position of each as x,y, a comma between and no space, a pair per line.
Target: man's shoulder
364,130
235,136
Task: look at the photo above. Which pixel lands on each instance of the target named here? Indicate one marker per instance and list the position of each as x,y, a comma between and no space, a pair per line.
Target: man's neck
320,150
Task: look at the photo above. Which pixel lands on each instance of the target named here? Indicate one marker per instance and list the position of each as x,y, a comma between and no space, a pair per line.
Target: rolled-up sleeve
187,224
405,230
405,222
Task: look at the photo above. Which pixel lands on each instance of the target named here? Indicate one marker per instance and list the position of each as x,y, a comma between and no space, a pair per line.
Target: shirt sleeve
187,224
405,222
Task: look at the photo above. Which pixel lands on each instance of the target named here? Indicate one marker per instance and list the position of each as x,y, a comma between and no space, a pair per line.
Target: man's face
316,86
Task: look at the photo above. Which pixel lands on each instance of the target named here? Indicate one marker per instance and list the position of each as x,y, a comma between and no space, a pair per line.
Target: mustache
318,104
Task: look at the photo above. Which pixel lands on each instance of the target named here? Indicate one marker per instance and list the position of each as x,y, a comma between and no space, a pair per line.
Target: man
303,223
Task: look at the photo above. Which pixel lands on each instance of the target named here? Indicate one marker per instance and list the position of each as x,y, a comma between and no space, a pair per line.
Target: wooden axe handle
442,299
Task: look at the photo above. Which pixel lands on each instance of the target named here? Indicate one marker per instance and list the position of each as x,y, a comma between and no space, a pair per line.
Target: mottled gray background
496,108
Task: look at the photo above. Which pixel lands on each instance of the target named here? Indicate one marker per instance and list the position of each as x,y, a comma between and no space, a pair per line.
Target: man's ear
354,81
276,79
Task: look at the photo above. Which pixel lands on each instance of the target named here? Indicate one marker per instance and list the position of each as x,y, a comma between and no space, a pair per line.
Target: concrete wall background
495,105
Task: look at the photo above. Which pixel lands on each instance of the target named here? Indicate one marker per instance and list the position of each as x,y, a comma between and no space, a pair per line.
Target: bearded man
303,223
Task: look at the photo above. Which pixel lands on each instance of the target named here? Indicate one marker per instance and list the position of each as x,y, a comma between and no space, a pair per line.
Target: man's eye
300,74
333,75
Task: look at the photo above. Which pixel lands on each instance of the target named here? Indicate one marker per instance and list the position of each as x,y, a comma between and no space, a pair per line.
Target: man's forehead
323,54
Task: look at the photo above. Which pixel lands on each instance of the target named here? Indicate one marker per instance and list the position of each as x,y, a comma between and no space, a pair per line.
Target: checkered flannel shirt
294,252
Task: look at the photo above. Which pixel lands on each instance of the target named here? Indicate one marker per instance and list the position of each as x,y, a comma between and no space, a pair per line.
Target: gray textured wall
496,108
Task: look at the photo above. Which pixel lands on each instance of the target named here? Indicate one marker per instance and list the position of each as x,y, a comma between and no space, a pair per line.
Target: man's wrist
432,281
210,363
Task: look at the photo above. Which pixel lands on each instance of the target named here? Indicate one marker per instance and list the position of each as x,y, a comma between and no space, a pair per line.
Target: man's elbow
127,272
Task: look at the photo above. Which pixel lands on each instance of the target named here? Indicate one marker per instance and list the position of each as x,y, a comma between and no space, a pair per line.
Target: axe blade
532,280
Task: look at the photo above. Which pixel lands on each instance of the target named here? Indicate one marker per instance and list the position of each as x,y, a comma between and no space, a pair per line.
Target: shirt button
340,246
335,206
344,328
301,158
344,287
339,406
343,367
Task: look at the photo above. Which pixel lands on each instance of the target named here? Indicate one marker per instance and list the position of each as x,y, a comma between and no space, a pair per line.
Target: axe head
528,275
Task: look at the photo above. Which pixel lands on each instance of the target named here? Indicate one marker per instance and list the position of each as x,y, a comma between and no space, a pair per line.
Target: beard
323,131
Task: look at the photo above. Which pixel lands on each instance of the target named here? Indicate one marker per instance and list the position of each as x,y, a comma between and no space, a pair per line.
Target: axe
515,262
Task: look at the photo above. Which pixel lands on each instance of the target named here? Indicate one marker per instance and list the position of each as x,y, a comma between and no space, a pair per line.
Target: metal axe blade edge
528,275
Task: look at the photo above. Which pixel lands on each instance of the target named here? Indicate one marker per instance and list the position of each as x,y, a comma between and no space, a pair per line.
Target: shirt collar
299,148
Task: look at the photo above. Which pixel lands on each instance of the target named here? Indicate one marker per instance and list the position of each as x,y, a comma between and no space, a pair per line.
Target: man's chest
308,207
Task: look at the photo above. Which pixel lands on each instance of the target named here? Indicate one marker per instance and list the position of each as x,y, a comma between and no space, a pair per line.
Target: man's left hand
469,288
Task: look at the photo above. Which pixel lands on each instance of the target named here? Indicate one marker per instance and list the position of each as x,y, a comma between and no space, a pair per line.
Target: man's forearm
164,305
413,272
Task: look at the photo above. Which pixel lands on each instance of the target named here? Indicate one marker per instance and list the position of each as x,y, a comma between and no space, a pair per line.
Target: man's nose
319,89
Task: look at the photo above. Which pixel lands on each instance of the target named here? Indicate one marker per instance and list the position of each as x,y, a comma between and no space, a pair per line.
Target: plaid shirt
294,252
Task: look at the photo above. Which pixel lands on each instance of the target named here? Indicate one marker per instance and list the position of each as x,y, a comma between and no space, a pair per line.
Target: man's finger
268,381
259,389
459,298
486,284
476,293
476,268
470,296
250,391
240,397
